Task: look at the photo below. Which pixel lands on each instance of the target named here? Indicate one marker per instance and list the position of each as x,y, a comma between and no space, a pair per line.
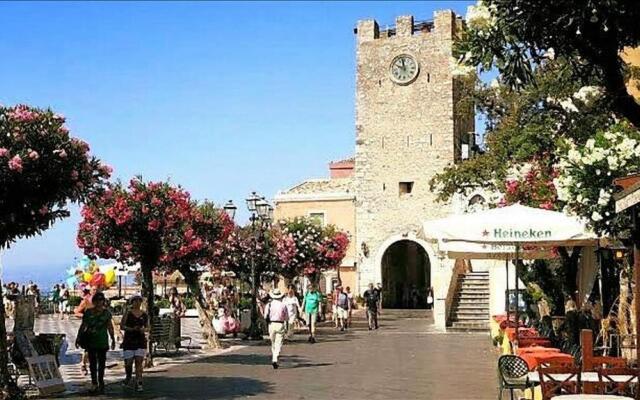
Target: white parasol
512,232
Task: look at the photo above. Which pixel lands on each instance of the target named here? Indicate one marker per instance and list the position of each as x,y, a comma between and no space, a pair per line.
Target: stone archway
406,275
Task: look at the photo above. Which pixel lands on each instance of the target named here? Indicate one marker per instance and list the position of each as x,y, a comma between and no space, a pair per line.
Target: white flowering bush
586,174
479,17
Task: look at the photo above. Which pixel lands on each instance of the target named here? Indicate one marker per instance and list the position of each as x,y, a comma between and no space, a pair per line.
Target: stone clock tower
407,129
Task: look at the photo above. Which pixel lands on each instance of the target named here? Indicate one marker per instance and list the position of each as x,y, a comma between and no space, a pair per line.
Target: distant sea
45,276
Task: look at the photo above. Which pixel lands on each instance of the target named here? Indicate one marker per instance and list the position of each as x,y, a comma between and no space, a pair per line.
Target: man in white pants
277,317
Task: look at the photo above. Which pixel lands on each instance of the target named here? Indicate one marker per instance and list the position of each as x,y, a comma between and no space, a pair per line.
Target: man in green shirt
310,305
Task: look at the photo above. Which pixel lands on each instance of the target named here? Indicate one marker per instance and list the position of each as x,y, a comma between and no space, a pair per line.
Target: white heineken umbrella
511,225
512,232
493,251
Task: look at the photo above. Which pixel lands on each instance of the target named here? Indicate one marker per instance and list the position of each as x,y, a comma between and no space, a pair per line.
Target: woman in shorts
135,324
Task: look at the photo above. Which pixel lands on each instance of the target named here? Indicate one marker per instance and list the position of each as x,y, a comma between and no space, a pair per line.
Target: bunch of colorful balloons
87,273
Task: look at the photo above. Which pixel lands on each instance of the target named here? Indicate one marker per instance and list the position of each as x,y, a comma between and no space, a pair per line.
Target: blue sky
221,98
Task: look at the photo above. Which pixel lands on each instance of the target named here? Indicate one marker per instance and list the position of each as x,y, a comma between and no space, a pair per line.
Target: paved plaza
405,359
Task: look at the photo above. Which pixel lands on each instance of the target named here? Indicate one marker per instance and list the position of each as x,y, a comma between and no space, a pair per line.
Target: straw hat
276,294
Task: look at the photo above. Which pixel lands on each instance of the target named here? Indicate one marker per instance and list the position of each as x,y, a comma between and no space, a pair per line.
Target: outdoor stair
470,307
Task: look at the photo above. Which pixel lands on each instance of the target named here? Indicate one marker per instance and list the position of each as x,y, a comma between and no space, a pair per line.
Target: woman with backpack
93,336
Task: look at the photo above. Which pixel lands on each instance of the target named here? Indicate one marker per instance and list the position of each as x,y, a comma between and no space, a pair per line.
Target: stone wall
403,133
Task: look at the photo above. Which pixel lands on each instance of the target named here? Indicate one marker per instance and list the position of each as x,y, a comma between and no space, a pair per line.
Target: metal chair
556,381
512,374
619,381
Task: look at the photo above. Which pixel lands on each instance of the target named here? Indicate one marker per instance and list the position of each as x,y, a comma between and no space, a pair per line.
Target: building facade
409,125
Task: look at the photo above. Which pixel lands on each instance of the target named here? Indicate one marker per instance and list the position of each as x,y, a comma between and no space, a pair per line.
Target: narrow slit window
405,188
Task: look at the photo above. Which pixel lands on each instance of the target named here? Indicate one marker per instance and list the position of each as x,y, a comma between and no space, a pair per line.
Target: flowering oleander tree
317,248
155,224
42,170
213,226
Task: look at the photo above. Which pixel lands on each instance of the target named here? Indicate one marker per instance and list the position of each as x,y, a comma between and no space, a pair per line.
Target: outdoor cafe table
592,377
523,333
536,349
590,397
535,359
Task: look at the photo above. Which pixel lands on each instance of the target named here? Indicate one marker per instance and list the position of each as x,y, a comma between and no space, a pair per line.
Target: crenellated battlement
444,24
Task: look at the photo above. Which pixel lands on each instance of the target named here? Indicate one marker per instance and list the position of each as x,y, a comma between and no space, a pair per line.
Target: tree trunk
570,265
206,319
147,293
206,322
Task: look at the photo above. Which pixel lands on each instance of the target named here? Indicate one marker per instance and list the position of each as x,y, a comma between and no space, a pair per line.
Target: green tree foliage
514,36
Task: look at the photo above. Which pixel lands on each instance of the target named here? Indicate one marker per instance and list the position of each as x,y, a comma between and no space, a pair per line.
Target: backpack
343,301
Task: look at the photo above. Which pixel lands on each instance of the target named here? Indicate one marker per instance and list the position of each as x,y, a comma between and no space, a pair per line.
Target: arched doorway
406,275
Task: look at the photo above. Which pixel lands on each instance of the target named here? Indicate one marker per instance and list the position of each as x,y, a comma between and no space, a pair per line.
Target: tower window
405,188
318,217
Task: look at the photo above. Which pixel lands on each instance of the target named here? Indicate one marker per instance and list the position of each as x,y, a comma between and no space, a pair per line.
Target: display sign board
45,374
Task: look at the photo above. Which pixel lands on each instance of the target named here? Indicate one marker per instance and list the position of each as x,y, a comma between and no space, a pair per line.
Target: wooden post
586,342
636,276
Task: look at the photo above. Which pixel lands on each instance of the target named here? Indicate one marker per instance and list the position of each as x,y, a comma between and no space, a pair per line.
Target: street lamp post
261,218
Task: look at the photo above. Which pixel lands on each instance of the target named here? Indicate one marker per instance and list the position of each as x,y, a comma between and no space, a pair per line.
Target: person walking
343,306
93,336
135,324
293,308
371,302
310,305
178,310
334,305
352,305
64,301
79,311
55,299
277,318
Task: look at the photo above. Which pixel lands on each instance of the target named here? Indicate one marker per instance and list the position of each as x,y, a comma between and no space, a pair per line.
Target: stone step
468,327
470,303
473,293
472,296
471,307
473,288
481,286
480,314
477,281
470,317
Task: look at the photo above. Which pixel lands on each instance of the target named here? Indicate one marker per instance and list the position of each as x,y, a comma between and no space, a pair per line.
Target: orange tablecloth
536,349
510,333
533,341
535,359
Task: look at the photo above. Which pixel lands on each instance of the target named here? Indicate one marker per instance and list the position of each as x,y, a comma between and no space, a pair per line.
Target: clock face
404,69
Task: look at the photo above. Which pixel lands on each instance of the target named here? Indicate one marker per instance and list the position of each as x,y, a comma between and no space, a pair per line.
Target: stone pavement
70,365
404,359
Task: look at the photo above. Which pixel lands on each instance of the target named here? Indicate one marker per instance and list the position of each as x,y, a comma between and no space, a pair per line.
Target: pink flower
74,175
22,113
3,152
60,152
34,155
15,164
43,210
154,225
106,169
547,205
